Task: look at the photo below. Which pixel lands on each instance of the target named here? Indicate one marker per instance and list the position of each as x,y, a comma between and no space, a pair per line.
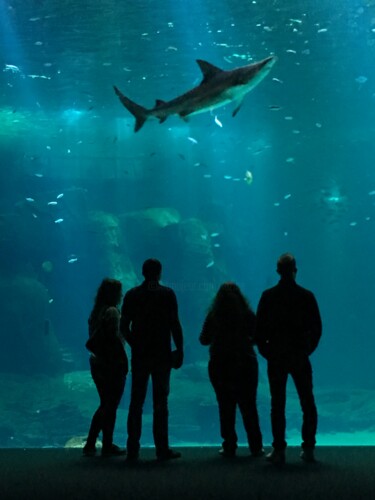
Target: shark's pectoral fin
162,119
184,115
237,108
208,70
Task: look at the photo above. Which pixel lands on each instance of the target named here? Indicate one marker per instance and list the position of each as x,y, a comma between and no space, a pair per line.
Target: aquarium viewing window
116,145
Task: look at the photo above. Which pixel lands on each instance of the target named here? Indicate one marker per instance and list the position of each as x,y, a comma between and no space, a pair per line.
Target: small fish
59,221
322,30
38,175
227,177
290,159
218,122
52,203
248,177
217,245
277,80
361,79
12,68
274,107
371,193
210,264
72,260
214,235
30,200
191,139
291,51
59,196
287,196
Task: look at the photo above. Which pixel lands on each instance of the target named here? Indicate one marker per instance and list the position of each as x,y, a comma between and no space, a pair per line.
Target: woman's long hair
229,307
108,294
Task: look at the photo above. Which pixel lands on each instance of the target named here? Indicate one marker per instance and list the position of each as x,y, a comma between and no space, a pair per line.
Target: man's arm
176,330
126,318
315,331
261,327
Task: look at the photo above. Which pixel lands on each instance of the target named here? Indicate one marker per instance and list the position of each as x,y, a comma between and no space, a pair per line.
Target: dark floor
341,473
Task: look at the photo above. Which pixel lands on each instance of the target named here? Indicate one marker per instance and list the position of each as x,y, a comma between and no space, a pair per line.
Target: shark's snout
269,61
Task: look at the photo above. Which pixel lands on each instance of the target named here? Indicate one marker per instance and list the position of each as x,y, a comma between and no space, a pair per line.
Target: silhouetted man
149,320
288,330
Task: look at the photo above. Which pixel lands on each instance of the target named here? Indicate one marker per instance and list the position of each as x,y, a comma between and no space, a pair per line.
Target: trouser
236,384
110,383
160,375
301,372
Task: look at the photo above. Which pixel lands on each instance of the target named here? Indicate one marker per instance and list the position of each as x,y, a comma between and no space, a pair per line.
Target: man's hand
177,358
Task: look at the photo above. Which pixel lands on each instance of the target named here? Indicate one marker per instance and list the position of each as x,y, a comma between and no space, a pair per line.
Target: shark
217,88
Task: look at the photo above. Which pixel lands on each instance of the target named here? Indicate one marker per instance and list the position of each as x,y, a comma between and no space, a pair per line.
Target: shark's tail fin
139,112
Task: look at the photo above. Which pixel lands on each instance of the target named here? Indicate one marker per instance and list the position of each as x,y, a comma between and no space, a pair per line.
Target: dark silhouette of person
149,322
108,363
229,330
288,330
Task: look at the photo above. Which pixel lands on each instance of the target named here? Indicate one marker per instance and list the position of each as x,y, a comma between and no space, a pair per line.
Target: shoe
307,455
257,454
113,451
276,457
168,455
89,450
227,453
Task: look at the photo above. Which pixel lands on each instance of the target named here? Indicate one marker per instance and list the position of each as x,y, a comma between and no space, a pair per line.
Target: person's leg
221,380
247,402
114,390
302,377
140,376
277,378
97,420
160,390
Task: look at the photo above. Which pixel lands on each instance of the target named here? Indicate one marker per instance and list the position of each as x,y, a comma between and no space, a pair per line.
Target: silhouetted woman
233,367
109,365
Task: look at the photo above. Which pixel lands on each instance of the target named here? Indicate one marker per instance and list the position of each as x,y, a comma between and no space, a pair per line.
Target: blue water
83,197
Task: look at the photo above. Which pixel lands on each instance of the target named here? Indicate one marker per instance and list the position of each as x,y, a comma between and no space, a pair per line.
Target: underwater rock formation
193,271
142,232
27,338
107,239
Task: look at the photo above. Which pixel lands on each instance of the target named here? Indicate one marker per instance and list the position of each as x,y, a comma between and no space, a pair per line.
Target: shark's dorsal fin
208,70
